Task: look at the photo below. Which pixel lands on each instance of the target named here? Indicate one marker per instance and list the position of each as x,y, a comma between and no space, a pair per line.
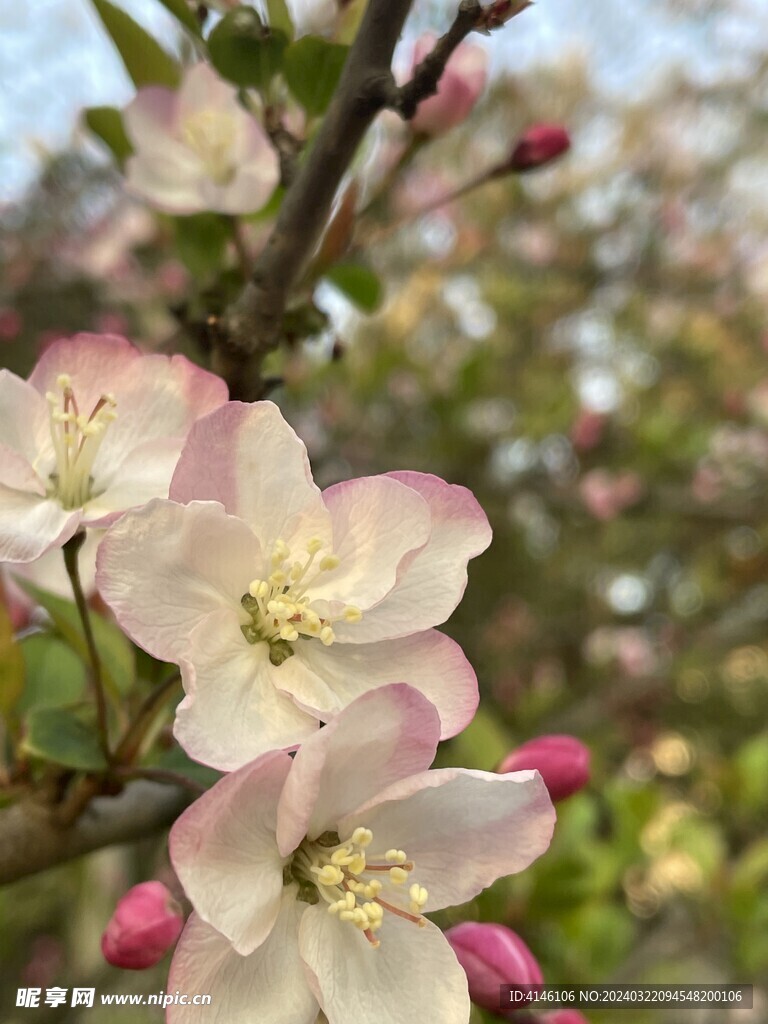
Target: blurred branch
31,841
251,327
427,75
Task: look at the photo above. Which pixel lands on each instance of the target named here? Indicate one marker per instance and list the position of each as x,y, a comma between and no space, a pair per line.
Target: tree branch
31,841
427,75
251,327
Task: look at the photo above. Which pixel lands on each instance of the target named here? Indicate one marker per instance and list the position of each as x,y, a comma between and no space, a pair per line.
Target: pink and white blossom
96,429
458,90
198,149
310,876
282,604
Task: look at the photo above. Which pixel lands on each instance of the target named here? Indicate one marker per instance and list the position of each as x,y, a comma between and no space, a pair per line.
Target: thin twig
163,776
130,744
71,551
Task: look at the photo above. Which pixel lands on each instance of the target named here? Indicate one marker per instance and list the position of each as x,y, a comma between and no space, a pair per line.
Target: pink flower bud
562,760
539,145
458,90
492,956
146,923
563,1017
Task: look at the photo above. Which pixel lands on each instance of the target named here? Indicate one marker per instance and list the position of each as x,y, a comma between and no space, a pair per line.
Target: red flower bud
562,760
491,956
146,923
538,145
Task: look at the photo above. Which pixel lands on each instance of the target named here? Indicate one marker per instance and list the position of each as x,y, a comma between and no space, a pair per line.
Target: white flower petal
463,829
24,419
233,712
249,459
412,978
224,851
433,584
269,985
378,524
31,524
385,735
327,679
164,567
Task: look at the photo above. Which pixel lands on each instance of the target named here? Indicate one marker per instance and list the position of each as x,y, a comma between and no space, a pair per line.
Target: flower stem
129,745
71,551
165,776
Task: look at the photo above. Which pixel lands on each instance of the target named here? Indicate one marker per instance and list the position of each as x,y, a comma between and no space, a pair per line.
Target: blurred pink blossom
458,91
607,494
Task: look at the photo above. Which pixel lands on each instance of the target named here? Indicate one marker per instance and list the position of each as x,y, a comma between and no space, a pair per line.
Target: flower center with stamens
281,608
358,886
76,441
211,134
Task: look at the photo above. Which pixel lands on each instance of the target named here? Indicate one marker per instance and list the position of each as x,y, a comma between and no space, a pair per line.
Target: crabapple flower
309,876
539,145
280,603
562,760
96,429
492,955
458,90
146,923
197,149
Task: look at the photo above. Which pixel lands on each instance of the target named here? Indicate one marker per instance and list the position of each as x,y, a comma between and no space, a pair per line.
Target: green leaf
107,123
312,68
145,60
55,675
182,13
279,18
115,650
358,283
200,242
65,736
245,51
11,664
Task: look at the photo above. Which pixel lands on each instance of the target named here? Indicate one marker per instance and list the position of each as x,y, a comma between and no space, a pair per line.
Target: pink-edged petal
249,459
223,849
377,523
269,985
327,679
233,712
412,978
23,421
383,736
164,567
157,396
31,524
17,474
433,584
150,117
145,473
463,829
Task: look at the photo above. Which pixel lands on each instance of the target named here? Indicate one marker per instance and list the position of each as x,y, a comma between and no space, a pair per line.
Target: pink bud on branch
492,955
538,145
562,760
145,925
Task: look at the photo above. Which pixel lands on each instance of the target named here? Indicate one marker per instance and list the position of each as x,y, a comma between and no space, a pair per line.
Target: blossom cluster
303,624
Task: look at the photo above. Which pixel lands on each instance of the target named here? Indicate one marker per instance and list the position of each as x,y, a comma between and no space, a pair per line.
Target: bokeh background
585,347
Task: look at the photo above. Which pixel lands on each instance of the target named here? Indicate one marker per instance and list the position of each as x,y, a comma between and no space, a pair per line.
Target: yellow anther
357,864
347,915
343,856
64,381
362,837
314,545
349,900
395,856
327,636
297,571
373,888
398,875
352,613
278,578
329,874
288,632
329,562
